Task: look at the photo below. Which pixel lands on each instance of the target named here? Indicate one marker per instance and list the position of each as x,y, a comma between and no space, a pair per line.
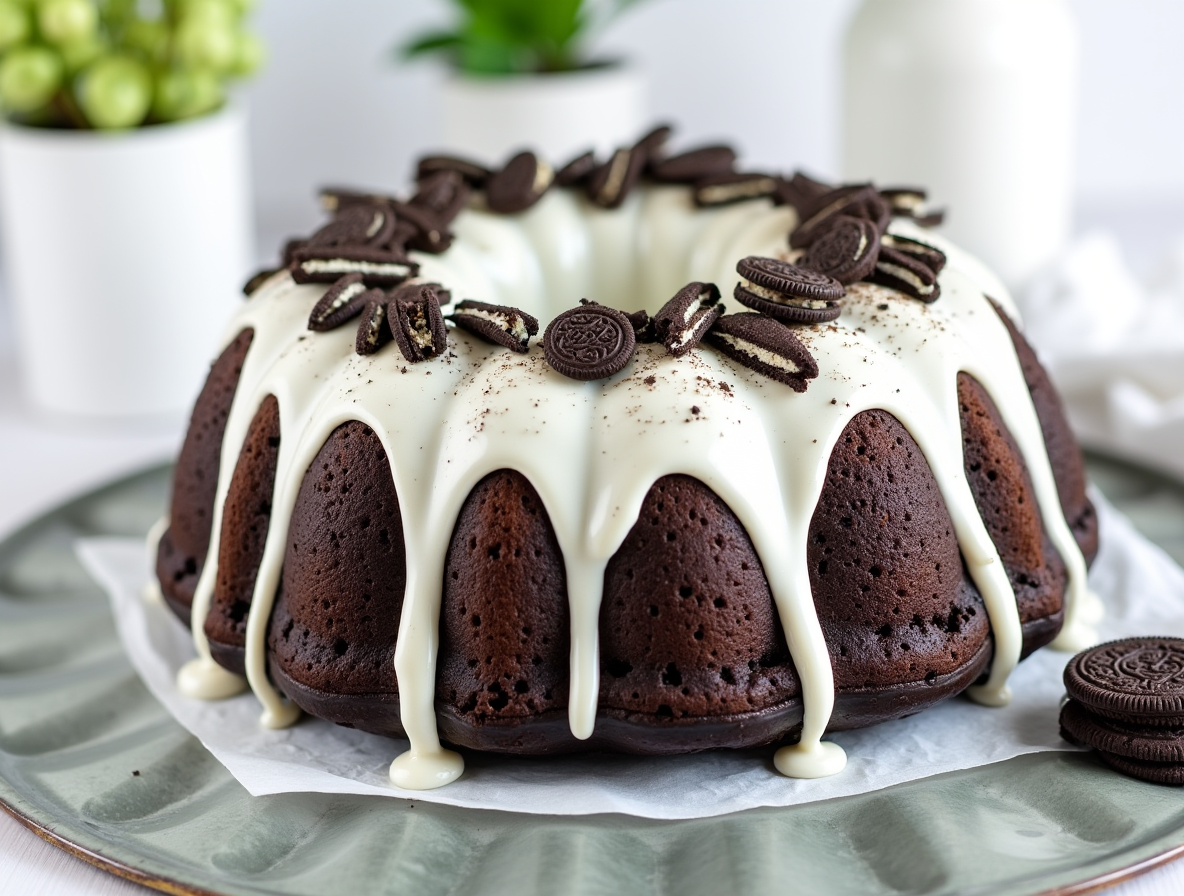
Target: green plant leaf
431,42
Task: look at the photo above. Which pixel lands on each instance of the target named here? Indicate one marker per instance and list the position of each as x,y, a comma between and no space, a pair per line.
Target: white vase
973,99
557,115
124,253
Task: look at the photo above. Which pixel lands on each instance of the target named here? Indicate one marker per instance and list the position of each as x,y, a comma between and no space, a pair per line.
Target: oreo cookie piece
857,200
325,264
421,229
1139,680
368,223
442,194
519,185
373,332
653,144
766,346
416,322
474,173
499,324
905,274
910,202
1171,773
1147,742
802,192
643,326
695,164
336,198
577,170
343,301
288,254
590,342
724,189
847,251
682,322
932,258
788,292
252,285
610,183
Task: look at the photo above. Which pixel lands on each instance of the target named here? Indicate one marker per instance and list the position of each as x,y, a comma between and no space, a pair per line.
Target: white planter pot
556,115
124,254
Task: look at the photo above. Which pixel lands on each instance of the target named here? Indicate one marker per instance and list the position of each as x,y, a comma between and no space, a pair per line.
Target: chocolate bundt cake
651,531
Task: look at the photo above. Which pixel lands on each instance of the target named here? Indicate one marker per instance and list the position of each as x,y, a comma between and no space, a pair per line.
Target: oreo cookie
474,173
906,274
1137,680
367,223
683,321
499,324
932,258
847,251
910,202
1150,743
766,346
325,264
611,182
519,185
256,281
422,229
442,194
857,200
653,145
787,292
336,198
802,192
577,171
1171,773
725,189
373,332
342,301
590,342
416,322
694,165
643,326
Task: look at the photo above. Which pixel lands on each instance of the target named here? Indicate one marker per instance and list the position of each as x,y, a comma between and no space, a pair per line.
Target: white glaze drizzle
592,450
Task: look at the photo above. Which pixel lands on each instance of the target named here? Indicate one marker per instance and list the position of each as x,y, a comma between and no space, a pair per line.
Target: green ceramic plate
91,762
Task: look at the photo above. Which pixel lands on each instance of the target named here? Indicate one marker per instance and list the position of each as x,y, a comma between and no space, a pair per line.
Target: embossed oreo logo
1154,668
589,343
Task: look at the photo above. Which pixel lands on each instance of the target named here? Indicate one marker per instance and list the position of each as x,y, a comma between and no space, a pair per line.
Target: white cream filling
343,298
902,273
744,189
618,168
761,354
376,224
512,322
781,298
693,332
377,316
543,175
349,266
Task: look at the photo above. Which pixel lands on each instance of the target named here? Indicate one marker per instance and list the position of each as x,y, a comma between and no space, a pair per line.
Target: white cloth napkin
1142,588
1115,347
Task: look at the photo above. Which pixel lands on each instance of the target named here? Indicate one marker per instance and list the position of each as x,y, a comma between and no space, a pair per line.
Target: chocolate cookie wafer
1134,680
847,251
802,192
611,182
1171,773
373,331
577,171
682,322
442,194
474,173
857,200
932,258
368,223
416,322
787,292
499,324
519,184
766,346
906,274
342,301
590,342
1152,743
694,165
643,326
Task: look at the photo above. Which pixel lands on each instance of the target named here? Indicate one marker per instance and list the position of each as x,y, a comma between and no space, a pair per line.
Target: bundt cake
656,531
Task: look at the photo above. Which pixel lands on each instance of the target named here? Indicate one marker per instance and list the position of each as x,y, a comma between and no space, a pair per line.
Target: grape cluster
120,63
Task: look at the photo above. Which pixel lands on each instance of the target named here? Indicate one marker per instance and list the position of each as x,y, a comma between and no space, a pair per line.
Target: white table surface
44,462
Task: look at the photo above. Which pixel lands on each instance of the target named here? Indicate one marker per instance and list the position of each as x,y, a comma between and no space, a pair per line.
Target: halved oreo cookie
788,292
857,200
343,301
932,258
846,251
416,322
421,229
519,185
766,346
590,342
577,171
682,321
696,164
643,326
325,264
367,223
802,192
443,194
1139,680
474,173
905,274
499,324
373,332
724,189
609,184
1148,742
910,202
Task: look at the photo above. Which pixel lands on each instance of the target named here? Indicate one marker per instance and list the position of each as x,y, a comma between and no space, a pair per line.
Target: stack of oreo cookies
1126,700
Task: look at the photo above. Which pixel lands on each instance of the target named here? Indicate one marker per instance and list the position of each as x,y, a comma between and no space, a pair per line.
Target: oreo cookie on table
499,324
1151,743
766,346
725,189
906,274
787,292
416,322
342,301
590,342
519,184
847,251
1134,680
474,173
683,321
326,264
694,165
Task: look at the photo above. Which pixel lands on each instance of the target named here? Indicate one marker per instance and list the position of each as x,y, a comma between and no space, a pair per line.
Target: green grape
115,92
218,12
249,56
80,53
149,36
29,77
205,43
66,21
185,93
14,24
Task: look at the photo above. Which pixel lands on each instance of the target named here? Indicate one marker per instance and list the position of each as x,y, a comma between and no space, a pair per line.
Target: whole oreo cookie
787,292
725,189
590,342
682,322
499,324
416,321
696,164
1171,773
1138,680
766,346
1147,742
906,274
847,251
519,185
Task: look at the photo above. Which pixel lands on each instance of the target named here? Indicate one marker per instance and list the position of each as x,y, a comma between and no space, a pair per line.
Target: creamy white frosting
592,450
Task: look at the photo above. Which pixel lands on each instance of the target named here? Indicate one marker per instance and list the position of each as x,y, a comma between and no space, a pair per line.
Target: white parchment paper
1143,590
